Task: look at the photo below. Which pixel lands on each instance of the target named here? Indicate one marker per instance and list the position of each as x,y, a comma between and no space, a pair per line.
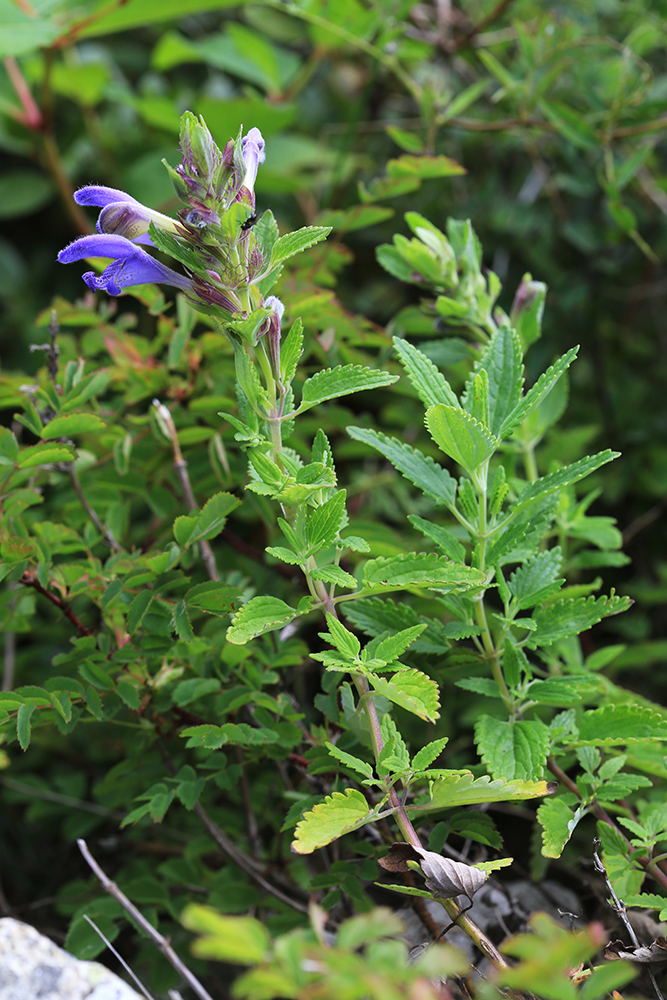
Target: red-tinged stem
30,580
32,116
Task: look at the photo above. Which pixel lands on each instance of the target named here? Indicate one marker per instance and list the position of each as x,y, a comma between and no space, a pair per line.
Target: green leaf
240,940
45,454
181,622
394,646
431,385
339,813
241,734
23,725
259,615
461,437
463,789
293,243
537,393
566,476
325,522
425,757
291,349
9,447
516,749
137,610
412,690
534,581
620,724
415,569
563,691
362,766
344,640
374,616
188,691
479,827
330,383
129,694
502,361
73,423
420,469
213,516
558,823
214,598
570,617
334,574
407,890
424,167
443,538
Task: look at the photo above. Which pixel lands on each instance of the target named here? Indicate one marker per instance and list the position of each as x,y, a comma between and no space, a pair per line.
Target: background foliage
557,117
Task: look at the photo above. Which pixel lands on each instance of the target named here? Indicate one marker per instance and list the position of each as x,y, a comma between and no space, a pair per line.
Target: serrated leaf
181,622
73,423
412,690
23,725
293,243
285,555
558,822
128,693
463,789
407,890
614,725
516,749
503,363
480,685
259,615
537,393
138,608
424,167
45,454
330,383
361,766
213,598
394,646
374,615
420,469
235,734
443,538
567,476
570,617
345,641
479,827
325,522
532,581
425,757
338,814
460,436
563,691
334,574
414,569
430,384
213,516
291,348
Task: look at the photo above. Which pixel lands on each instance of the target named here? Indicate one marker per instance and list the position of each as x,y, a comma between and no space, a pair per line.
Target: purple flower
122,214
253,155
131,264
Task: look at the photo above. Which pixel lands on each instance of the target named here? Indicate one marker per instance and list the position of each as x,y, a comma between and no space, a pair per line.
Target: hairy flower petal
97,194
253,155
131,265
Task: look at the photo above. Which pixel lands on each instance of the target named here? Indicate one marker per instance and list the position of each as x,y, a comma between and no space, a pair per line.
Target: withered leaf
645,953
444,877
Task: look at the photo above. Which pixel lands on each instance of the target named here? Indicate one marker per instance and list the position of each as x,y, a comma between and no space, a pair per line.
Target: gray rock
32,967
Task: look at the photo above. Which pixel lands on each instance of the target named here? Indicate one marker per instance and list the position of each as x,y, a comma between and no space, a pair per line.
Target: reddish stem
30,580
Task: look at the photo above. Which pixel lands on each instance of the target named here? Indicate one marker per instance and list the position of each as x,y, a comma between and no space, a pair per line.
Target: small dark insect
249,223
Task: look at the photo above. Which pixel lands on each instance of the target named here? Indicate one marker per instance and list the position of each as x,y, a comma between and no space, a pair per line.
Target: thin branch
30,580
228,847
618,906
105,532
148,929
32,116
181,467
118,956
654,870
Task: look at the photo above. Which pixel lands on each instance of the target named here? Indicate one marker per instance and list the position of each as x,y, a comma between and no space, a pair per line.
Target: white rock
32,967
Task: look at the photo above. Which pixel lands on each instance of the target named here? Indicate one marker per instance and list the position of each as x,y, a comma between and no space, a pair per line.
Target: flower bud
527,310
